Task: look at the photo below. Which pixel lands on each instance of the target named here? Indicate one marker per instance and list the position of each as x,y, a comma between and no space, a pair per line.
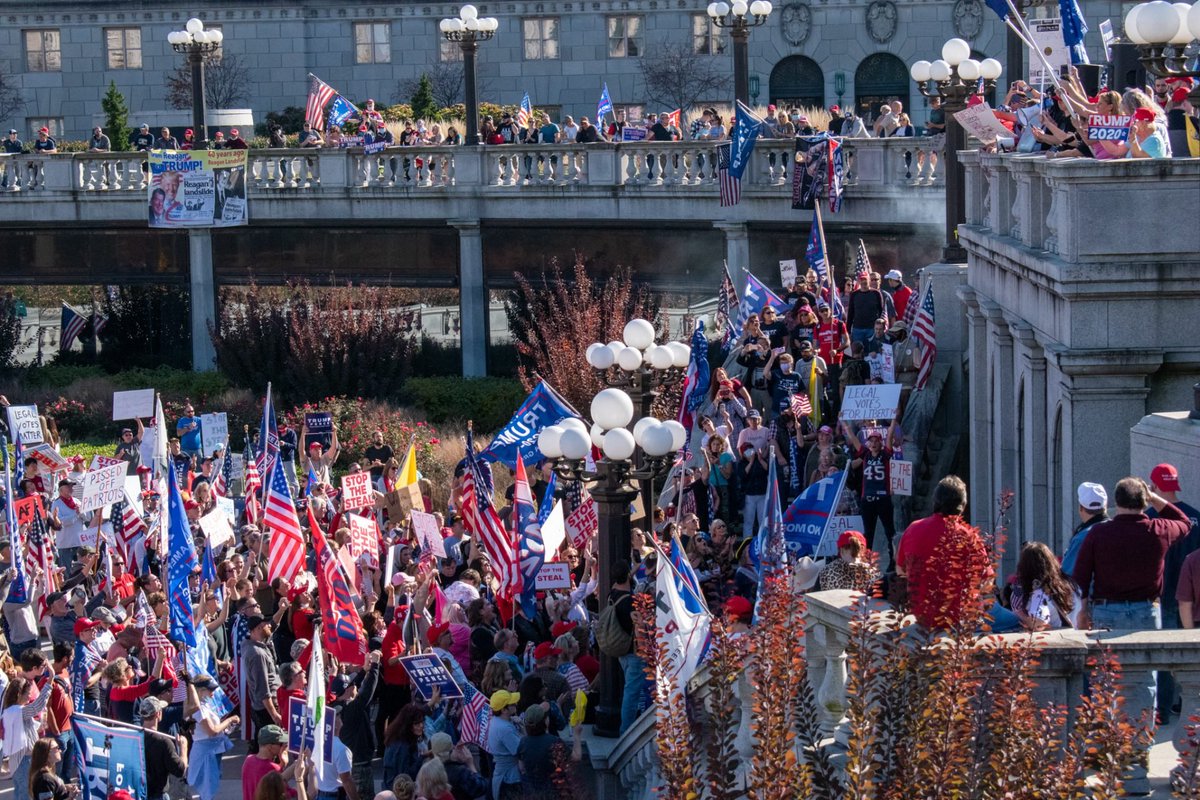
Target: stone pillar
472,298
204,298
1002,416
737,251
1033,485
979,406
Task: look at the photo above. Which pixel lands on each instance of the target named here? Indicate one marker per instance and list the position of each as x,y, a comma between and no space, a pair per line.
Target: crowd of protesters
92,636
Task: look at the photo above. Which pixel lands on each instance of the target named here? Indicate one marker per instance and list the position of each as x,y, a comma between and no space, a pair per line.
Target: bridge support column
472,298
204,298
737,251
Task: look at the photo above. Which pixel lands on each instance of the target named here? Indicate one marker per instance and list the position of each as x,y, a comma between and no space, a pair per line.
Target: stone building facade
62,54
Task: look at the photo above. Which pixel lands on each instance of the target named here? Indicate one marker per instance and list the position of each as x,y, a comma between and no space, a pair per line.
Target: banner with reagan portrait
197,188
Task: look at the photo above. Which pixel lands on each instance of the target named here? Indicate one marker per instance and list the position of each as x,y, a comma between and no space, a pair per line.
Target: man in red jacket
893,282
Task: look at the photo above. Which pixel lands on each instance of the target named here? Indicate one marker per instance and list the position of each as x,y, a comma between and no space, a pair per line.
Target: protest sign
425,528
320,429
228,508
299,732
554,575
1108,127
1108,37
216,527
196,188
27,507
1047,37
399,502
99,462
634,133
554,531
113,756
150,441
426,672
357,491
47,457
872,401
887,367
133,404
980,121
582,523
102,487
23,424
901,476
542,408
787,272
133,493
214,431
364,538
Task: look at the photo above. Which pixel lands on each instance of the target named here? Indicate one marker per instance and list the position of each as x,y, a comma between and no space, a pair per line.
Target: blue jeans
754,513
66,767
1135,615
20,778
634,669
1168,689
861,334
1003,620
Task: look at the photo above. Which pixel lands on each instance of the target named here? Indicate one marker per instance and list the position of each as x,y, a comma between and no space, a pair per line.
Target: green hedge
490,402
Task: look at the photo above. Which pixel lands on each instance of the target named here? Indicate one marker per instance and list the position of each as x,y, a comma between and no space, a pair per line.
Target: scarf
70,503
794,464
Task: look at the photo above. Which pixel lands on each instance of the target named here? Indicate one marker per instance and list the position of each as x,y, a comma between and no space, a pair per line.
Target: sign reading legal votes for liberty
873,401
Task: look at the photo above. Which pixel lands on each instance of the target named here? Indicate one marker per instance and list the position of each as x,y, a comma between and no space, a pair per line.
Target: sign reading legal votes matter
876,401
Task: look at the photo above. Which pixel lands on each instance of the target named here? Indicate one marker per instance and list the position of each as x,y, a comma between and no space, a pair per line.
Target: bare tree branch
11,100
446,82
226,83
678,77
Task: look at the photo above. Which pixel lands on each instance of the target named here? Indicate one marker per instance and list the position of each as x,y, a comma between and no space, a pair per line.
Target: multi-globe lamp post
954,78
739,18
635,453
199,45
1162,32
468,29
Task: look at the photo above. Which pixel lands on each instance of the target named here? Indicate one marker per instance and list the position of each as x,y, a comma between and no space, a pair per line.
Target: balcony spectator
310,136
836,120
1146,140
142,140
487,131
165,140
616,127
853,127
189,140
275,137
99,143
904,127
13,146
453,137
236,142
587,132
1131,101
508,130
784,129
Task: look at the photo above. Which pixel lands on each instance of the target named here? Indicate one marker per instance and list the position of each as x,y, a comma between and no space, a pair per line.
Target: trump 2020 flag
605,105
542,408
341,626
181,560
807,518
757,295
814,253
529,538
341,110
109,757
683,628
747,126
697,379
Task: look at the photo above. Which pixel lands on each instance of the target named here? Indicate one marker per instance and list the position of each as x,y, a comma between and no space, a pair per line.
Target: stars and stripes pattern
727,301
525,112
573,498
39,549
483,521
99,323
73,324
224,479
19,591
253,485
476,717
801,405
287,542
731,187
131,534
319,95
924,332
910,311
268,438
862,262
155,641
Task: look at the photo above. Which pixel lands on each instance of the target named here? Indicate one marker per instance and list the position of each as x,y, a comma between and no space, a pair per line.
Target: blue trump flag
747,127
18,591
1000,7
814,253
767,549
341,110
547,506
544,407
807,519
605,105
687,582
109,757
697,378
529,538
755,297
181,561
1073,29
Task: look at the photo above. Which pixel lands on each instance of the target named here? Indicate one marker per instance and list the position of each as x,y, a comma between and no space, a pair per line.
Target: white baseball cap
1092,496
894,275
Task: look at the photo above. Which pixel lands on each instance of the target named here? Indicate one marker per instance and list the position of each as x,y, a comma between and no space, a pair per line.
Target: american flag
727,301
574,496
154,639
224,480
910,310
287,542
862,262
925,334
253,484
525,112
476,717
801,405
39,552
483,521
268,438
131,534
99,322
73,324
319,95
731,187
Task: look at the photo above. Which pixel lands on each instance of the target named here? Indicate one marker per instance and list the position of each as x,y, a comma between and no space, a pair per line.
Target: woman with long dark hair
405,741
22,718
44,783
1043,597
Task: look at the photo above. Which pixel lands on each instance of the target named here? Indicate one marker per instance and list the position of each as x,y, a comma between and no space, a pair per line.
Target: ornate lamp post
1163,31
739,19
199,45
468,29
636,453
955,77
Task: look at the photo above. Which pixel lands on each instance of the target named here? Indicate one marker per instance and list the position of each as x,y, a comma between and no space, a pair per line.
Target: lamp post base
954,254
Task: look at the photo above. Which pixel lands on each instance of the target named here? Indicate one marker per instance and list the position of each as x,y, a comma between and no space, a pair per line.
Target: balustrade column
982,495
737,251
204,298
472,298
1033,491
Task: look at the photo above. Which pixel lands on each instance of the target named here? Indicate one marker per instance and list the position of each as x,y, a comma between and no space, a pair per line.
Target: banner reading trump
197,188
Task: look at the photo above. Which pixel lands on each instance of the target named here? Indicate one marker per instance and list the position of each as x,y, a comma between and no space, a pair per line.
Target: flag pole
107,722
825,252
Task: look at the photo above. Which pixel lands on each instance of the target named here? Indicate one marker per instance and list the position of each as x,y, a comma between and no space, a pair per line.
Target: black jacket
357,731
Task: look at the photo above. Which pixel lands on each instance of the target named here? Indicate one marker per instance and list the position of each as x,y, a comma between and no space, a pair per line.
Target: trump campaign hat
1165,478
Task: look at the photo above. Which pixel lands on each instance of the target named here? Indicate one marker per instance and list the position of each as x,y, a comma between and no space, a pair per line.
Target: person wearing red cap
236,142
1146,140
850,570
88,665
315,458
739,612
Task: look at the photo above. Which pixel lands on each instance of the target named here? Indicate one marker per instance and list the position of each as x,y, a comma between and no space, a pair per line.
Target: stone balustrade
628,768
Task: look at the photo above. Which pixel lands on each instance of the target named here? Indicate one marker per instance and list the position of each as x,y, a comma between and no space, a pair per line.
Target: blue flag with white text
181,562
755,296
542,408
109,757
529,538
547,506
814,253
747,127
807,519
341,110
605,105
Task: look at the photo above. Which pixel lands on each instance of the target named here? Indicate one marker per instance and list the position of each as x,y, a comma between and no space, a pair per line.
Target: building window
55,124
372,43
449,51
124,47
634,112
706,37
541,38
624,37
43,50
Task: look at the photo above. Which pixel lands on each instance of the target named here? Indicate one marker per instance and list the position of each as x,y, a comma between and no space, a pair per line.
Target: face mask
786,368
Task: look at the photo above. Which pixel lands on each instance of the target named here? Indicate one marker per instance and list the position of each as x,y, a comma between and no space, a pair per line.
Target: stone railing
628,768
871,165
1081,210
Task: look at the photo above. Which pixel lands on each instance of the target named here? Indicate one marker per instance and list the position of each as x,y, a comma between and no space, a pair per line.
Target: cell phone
778,350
